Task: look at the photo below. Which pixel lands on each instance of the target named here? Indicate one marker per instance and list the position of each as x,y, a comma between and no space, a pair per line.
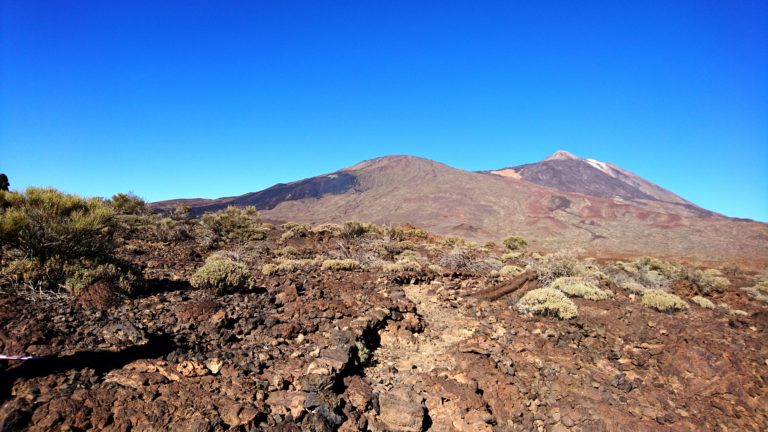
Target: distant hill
561,201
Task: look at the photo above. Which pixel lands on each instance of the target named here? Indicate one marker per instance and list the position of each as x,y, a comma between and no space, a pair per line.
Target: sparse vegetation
548,301
663,301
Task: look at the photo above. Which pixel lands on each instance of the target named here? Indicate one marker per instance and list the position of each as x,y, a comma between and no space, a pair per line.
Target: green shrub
510,270
287,251
580,287
434,268
705,280
548,301
233,224
45,224
559,264
223,274
514,243
632,287
294,231
269,269
663,301
343,264
80,278
402,266
129,204
703,302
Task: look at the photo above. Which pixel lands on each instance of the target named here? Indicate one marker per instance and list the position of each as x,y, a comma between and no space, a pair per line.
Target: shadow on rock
100,361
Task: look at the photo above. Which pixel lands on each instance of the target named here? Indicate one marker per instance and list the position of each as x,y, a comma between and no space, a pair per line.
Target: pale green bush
223,274
663,301
548,301
402,266
340,264
632,287
580,287
703,302
510,270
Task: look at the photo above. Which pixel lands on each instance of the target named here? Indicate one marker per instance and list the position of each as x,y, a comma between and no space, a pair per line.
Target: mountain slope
559,202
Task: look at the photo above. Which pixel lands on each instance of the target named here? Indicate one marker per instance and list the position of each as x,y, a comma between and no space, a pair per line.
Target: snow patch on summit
602,166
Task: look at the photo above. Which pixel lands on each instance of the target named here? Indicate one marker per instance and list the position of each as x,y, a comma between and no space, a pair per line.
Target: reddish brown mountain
561,201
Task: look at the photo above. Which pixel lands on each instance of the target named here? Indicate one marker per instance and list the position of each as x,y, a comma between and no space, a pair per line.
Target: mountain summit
568,173
562,201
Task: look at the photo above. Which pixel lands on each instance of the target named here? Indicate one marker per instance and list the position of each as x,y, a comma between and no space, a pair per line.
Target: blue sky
205,99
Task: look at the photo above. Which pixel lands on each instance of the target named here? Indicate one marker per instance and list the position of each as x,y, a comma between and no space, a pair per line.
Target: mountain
562,201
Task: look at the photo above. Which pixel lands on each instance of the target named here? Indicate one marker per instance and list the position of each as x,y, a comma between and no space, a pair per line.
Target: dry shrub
548,301
663,301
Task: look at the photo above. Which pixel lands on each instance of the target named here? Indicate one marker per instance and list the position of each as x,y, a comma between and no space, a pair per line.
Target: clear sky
214,98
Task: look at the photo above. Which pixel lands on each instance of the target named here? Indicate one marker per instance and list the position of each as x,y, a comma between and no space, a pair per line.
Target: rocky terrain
423,333
562,201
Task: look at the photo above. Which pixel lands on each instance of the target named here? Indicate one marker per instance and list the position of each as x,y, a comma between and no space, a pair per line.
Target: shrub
402,266
434,268
580,287
705,280
45,224
232,224
647,264
294,230
663,301
510,270
329,229
703,302
287,251
632,287
80,278
548,301
404,232
757,293
129,204
515,243
559,264
223,274
513,255
4,183
269,269
342,264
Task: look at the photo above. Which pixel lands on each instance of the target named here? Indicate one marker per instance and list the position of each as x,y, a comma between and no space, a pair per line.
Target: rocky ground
372,350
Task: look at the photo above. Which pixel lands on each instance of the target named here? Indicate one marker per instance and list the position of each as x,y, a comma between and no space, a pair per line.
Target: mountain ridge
561,201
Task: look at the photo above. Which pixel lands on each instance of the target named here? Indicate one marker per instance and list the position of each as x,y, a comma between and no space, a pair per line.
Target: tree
4,184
